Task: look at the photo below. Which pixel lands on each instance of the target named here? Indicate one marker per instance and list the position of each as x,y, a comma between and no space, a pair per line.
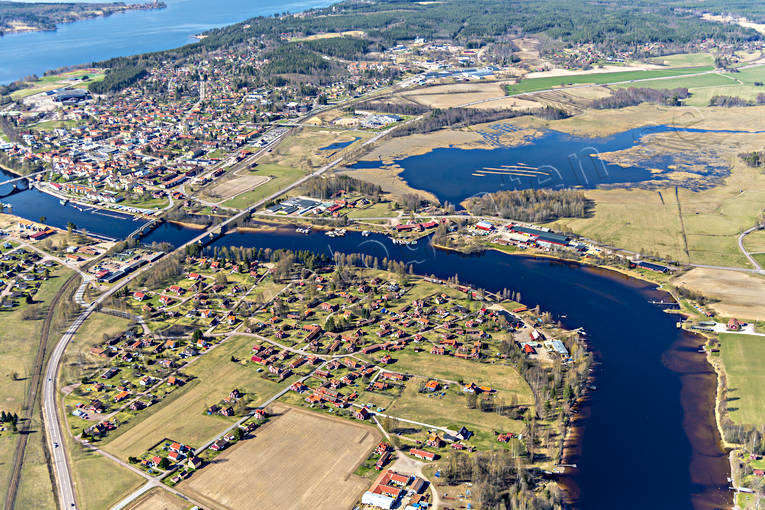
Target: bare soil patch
740,293
233,187
158,499
300,460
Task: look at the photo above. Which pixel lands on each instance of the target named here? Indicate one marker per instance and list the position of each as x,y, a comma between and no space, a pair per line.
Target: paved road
746,253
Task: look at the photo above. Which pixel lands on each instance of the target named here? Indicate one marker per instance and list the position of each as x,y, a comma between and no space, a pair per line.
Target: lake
553,160
129,33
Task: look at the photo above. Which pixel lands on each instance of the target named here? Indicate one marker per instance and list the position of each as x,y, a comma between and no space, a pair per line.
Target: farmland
742,357
316,454
536,84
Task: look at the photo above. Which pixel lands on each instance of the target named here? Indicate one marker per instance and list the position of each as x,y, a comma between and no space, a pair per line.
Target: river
129,33
649,440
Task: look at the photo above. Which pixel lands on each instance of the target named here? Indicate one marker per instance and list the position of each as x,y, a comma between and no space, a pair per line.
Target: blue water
34,205
650,441
129,33
552,160
339,145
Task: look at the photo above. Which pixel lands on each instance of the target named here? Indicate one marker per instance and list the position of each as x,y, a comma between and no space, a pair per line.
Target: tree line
461,117
633,96
733,101
532,205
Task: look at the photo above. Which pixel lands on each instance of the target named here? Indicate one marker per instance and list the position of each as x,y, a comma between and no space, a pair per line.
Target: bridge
23,177
145,228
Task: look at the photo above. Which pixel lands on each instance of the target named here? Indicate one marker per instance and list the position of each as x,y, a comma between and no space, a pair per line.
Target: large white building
377,500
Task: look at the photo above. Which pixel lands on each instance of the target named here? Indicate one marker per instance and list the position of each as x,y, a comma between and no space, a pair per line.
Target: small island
32,17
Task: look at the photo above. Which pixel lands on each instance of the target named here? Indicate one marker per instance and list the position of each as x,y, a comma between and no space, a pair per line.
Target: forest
608,23
532,205
328,187
117,79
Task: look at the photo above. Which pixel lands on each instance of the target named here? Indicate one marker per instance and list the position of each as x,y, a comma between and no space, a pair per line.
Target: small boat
365,233
63,201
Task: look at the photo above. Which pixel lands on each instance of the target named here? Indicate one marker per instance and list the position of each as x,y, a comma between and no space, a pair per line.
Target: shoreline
572,437
119,8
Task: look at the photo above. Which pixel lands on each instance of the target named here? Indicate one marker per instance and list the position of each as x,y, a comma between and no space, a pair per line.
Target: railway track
31,396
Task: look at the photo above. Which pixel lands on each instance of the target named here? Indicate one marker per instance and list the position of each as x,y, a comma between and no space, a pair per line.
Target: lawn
535,84
505,379
743,357
183,418
281,176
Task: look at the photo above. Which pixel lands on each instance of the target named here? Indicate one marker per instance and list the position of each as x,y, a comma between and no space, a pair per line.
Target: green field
536,84
690,82
281,176
743,357
704,87
100,482
686,59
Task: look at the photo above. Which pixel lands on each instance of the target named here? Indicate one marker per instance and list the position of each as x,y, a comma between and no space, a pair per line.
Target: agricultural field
158,499
734,294
536,84
742,357
320,470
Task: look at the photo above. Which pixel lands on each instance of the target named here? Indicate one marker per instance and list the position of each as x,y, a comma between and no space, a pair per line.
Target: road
746,253
53,426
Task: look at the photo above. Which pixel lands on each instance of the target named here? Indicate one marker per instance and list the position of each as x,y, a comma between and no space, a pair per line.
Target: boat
365,233
63,201
301,230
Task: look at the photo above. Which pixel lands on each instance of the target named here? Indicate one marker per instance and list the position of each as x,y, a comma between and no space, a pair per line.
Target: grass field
183,419
742,357
687,59
535,84
77,355
281,176
19,340
316,454
100,482
691,82
703,87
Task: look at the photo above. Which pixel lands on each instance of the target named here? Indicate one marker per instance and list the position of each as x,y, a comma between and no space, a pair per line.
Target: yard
316,454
